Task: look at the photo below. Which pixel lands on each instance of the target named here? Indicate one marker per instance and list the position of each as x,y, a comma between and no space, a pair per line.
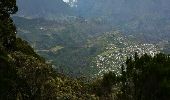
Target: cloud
66,0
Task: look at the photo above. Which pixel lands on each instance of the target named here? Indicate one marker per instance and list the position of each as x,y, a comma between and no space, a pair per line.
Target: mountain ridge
43,8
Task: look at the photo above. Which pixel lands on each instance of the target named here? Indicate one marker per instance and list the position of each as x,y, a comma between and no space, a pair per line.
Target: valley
84,50
87,38
92,50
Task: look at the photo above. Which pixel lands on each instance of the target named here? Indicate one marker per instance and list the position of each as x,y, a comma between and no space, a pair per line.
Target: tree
7,28
146,78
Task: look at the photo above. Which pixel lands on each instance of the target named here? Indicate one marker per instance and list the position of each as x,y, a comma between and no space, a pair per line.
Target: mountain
24,75
62,42
91,51
43,8
78,38
130,8
147,19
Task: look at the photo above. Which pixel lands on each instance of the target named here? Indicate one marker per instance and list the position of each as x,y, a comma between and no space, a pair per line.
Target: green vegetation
76,54
24,75
8,30
81,41
146,78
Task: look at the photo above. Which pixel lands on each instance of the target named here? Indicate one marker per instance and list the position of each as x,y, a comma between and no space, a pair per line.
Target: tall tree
7,28
146,78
